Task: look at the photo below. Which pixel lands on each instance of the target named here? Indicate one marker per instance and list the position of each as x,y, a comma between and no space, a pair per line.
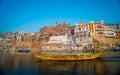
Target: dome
76,24
92,22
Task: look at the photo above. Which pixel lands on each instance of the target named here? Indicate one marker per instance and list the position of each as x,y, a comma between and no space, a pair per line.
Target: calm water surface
13,63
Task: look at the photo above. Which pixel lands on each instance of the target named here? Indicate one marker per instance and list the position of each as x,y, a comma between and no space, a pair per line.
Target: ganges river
14,63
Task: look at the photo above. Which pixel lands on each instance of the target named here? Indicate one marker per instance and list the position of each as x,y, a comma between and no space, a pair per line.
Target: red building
117,35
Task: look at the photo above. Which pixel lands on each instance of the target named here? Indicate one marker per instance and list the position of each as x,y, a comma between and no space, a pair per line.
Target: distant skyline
31,15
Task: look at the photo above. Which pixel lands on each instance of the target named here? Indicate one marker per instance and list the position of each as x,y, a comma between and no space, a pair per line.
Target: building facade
83,37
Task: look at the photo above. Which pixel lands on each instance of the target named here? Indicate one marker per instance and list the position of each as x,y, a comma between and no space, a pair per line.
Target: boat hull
70,57
23,51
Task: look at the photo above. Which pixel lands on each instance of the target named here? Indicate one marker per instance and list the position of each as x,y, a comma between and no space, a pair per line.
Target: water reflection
2,58
92,67
17,64
13,63
104,66
67,68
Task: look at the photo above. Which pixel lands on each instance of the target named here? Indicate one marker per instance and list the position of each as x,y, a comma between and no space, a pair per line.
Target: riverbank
59,51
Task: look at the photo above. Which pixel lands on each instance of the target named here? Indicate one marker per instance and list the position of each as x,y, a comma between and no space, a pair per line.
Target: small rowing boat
23,51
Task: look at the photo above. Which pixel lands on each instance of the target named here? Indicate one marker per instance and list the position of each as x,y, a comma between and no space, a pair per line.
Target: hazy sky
30,15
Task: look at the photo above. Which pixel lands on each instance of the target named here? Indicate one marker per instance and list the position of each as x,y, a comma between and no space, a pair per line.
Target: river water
13,63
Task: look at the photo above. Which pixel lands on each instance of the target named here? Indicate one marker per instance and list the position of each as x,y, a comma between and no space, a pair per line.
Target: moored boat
24,51
69,56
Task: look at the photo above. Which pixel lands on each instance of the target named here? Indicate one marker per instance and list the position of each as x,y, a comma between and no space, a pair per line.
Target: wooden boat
24,51
69,56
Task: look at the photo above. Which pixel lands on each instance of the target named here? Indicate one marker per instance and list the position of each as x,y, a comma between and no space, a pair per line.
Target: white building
60,39
109,31
20,33
61,42
19,38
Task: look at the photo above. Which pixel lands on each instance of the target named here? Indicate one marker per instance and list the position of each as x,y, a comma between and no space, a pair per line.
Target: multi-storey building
109,31
96,27
58,42
83,36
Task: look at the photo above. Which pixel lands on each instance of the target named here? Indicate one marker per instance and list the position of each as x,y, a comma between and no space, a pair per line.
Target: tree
118,26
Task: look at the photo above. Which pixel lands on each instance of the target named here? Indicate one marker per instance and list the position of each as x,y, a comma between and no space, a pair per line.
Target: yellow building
96,27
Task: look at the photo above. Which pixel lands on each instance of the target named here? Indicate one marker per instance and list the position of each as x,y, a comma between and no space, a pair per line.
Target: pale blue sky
31,15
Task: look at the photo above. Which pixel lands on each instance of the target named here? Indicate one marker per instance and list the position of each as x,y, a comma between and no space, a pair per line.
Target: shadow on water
111,57
115,59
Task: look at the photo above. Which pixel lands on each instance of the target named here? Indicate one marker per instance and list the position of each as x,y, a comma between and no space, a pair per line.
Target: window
99,26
